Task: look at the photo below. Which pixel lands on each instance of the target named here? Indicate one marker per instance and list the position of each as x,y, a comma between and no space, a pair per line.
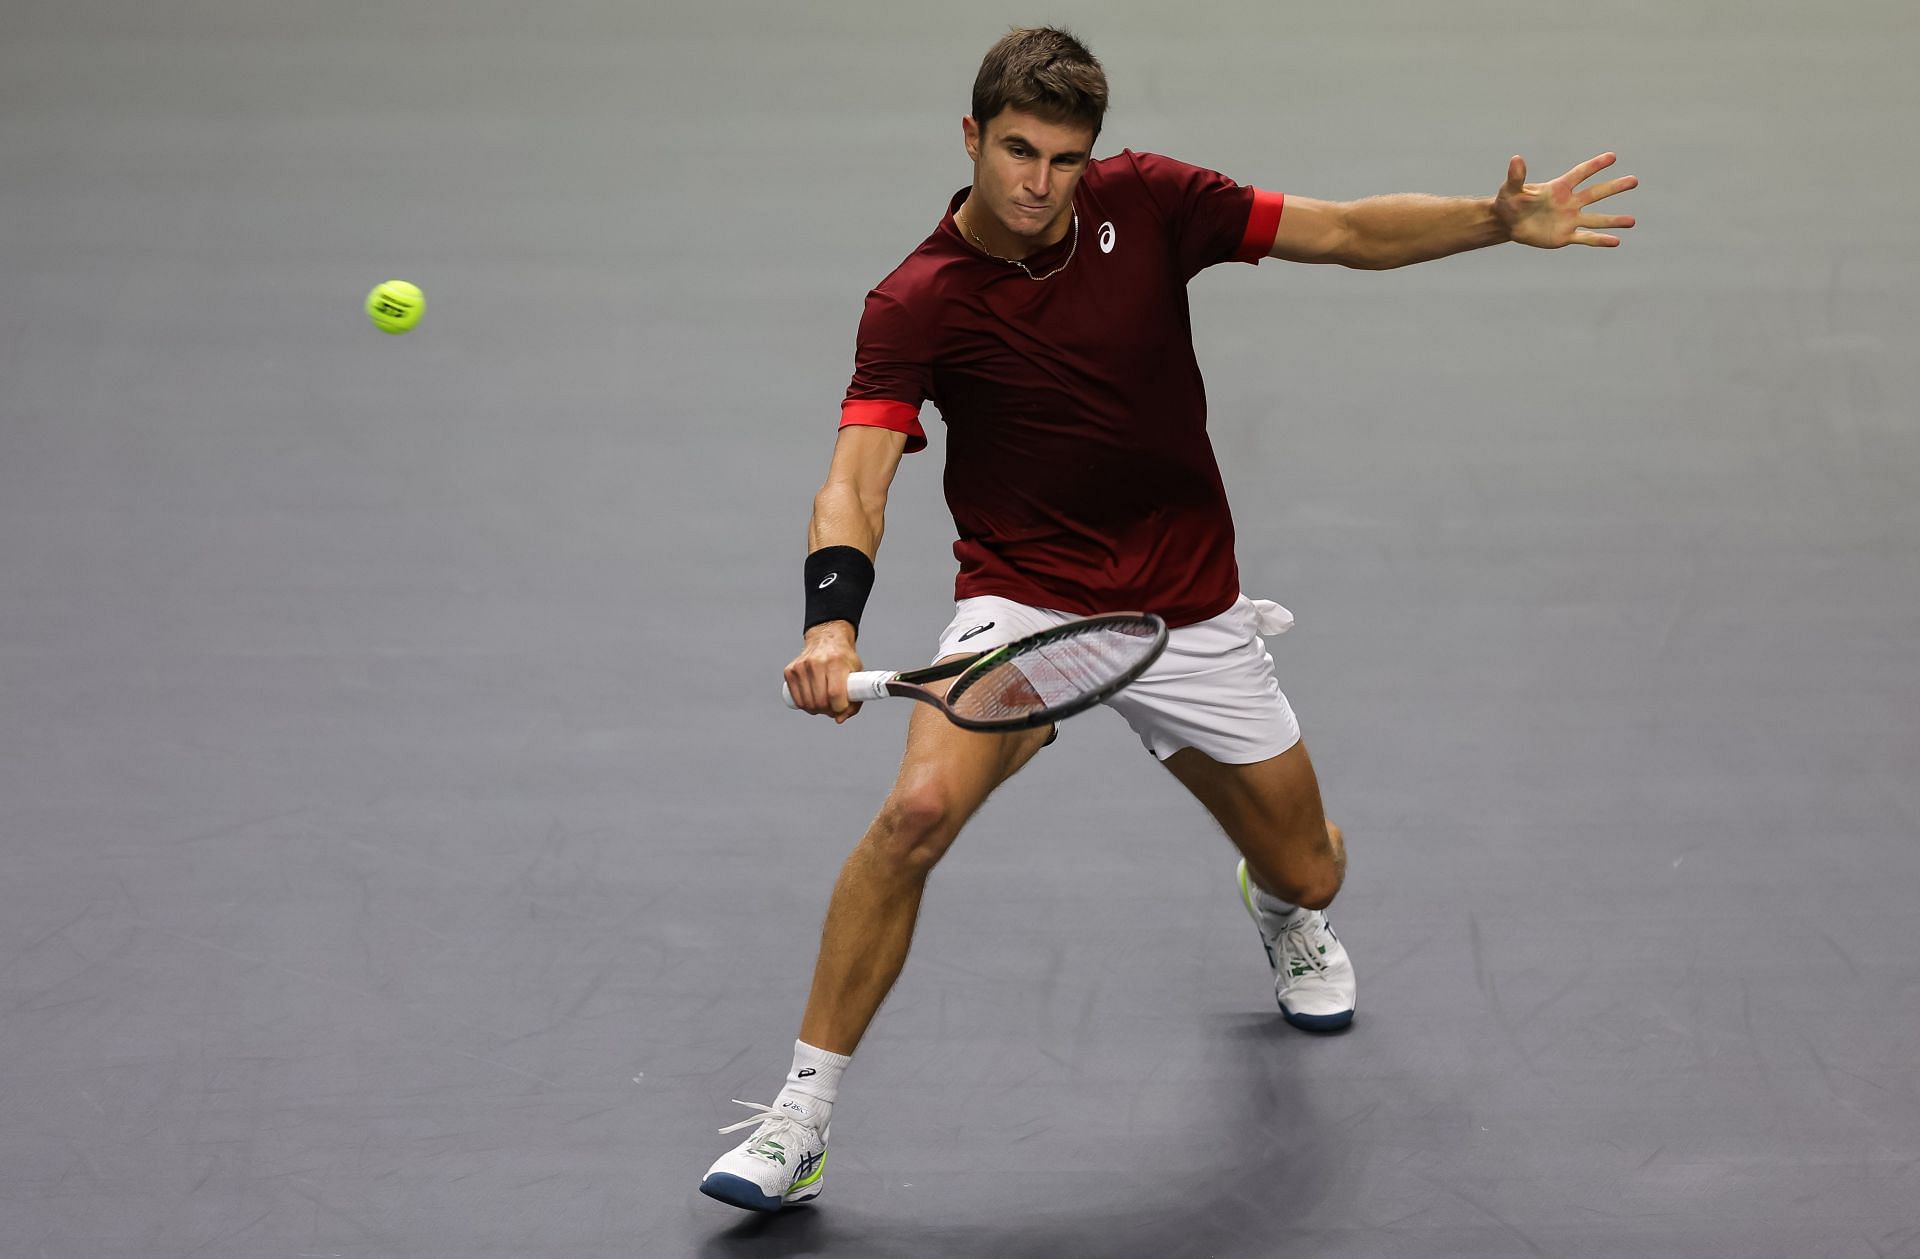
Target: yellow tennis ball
395,306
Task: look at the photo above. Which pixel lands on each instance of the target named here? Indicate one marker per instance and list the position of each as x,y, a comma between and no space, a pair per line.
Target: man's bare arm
1384,232
1380,233
850,510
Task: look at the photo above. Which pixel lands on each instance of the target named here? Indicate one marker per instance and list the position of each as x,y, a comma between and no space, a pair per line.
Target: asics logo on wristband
839,578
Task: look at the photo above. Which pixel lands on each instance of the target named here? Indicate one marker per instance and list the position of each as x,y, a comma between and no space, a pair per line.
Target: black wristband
839,579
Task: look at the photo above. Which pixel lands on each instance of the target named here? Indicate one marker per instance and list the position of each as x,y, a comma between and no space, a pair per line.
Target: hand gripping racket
1033,681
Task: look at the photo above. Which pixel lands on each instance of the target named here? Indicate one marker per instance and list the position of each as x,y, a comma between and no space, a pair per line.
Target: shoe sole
738,1191
1317,1022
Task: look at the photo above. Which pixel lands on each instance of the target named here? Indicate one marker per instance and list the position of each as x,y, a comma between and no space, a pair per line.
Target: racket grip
862,685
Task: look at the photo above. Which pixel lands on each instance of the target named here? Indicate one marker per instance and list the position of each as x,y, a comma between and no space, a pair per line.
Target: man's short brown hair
1041,70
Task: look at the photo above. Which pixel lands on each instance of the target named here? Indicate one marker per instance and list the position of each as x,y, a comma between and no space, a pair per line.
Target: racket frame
911,684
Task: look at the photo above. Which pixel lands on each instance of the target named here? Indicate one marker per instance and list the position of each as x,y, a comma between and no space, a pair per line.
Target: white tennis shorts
1213,688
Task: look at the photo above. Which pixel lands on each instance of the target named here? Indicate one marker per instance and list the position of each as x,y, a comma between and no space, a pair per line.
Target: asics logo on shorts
975,630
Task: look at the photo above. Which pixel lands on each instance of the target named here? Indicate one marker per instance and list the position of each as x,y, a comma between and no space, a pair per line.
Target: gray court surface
402,848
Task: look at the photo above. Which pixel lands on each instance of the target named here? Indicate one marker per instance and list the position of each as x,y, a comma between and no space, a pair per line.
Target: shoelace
1297,940
778,1124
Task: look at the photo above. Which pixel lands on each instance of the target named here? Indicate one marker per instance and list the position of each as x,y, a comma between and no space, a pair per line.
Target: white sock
1268,903
813,1082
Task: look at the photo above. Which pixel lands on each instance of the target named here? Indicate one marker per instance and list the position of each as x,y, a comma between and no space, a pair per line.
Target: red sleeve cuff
881,413
1263,224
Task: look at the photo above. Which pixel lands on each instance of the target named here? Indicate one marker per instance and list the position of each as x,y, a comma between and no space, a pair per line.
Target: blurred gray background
402,849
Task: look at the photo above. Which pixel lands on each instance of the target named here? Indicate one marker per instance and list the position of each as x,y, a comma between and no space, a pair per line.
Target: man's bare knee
1311,873
915,827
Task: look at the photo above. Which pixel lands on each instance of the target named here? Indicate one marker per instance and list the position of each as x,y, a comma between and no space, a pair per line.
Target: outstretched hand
1550,215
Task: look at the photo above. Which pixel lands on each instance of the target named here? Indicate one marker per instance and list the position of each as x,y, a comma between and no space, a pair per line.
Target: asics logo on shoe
975,630
804,1072
807,1165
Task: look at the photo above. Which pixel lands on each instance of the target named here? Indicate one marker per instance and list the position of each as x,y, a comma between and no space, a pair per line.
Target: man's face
1025,170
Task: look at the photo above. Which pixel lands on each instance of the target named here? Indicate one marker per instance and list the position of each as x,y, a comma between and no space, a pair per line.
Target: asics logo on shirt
828,580
975,630
1106,238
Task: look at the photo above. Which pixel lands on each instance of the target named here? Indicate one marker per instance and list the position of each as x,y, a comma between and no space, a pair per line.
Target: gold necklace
1015,262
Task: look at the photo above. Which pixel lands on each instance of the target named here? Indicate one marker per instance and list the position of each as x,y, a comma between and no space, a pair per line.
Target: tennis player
1046,318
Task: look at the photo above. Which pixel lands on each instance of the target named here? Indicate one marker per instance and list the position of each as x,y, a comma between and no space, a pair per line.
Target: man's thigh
1270,809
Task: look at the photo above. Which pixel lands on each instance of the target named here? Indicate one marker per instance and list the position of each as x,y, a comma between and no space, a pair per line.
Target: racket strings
1050,673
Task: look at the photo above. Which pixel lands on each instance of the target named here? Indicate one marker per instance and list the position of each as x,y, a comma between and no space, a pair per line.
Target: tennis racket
1033,681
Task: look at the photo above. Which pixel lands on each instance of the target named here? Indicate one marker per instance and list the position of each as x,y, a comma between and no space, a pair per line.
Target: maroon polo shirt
1078,471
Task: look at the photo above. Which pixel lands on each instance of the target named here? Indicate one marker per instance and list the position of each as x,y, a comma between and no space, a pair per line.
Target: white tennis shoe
1312,975
781,1163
